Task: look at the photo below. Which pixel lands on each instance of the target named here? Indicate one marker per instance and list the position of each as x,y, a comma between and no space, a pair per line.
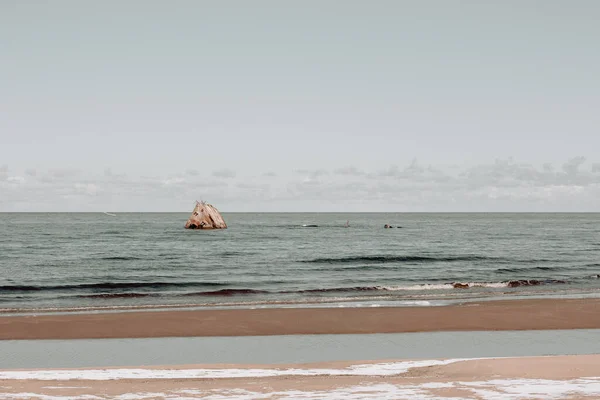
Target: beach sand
573,377
534,314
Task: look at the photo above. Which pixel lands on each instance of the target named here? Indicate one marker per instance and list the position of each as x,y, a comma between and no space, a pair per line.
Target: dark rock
205,216
458,285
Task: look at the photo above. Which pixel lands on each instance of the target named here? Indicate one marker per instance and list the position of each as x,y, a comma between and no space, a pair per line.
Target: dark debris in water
534,282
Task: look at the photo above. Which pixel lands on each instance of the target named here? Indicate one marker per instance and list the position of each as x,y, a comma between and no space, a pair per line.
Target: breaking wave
148,287
228,292
340,289
469,285
389,259
441,286
115,295
107,286
525,269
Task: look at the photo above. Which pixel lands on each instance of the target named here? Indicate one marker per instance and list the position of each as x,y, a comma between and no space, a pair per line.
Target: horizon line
307,212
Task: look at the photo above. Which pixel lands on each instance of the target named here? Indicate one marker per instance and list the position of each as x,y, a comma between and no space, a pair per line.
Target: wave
107,286
114,295
234,253
387,259
111,232
340,289
109,289
469,285
228,292
442,286
169,257
525,269
445,286
351,289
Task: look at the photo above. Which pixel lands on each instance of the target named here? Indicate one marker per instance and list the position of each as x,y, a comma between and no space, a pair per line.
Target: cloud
270,173
253,186
314,173
3,172
503,185
414,172
63,173
173,181
56,175
16,179
224,173
503,173
192,172
500,185
108,172
312,176
89,189
391,171
508,173
571,167
349,171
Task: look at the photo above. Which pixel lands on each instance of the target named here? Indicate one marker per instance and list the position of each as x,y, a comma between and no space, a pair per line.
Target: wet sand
534,314
524,377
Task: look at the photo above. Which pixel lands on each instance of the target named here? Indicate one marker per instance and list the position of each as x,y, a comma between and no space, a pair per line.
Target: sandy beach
568,376
534,314
572,377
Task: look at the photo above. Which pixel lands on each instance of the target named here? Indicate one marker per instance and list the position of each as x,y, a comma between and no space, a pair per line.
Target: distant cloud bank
501,185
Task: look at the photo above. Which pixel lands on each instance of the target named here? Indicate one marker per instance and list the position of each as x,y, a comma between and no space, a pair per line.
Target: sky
350,106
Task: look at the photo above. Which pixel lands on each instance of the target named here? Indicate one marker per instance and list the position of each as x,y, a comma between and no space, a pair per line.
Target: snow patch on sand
500,389
379,369
504,389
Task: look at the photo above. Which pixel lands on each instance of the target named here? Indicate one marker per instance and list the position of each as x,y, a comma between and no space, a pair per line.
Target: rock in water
205,216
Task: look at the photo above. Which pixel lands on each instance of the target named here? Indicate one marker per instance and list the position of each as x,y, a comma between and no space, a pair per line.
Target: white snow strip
380,369
498,389
37,396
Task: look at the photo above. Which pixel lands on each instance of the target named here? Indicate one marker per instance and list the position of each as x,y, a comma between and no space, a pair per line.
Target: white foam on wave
378,369
417,303
426,286
445,286
496,389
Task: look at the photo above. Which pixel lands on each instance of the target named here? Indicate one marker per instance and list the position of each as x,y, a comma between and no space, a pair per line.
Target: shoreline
351,302
501,315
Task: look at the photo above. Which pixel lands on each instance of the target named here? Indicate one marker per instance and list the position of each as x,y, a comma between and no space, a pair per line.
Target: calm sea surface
60,262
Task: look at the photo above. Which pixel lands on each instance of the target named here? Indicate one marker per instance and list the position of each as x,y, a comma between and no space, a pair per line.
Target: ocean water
69,262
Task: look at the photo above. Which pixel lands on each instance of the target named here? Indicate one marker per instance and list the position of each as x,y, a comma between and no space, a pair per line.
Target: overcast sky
300,105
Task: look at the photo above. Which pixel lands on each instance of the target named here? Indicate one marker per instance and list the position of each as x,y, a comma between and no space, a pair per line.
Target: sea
99,262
